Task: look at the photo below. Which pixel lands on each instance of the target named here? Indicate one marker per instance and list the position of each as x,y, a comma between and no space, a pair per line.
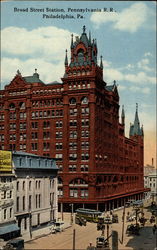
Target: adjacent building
150,181
36,200
8,226
77,122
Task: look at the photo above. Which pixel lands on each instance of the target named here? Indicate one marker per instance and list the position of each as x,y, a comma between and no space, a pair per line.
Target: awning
8,229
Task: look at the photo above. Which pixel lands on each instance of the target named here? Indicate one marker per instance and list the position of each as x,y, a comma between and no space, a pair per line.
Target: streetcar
90,215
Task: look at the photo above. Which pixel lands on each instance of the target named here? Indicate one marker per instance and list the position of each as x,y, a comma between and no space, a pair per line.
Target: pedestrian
154,228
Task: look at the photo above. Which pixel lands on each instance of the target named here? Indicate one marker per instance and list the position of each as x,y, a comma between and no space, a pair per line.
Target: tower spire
123,116
101,63
66,58
89,38
72,43
84,29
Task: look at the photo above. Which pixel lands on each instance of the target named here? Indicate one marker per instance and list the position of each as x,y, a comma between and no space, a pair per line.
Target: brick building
77,122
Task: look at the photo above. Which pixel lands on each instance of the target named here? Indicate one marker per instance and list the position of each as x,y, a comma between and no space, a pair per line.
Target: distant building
77,122
36,190
150,181
8,226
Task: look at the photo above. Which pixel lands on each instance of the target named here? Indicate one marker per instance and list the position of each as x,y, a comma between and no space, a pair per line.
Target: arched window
72,101
12,106
84,100
22,105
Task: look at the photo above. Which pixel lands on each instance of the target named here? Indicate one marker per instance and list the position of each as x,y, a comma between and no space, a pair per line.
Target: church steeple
135,128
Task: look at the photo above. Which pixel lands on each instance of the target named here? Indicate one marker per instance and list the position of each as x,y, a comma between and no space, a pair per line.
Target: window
85,111
17,204
59,135
30,185
34,146
84,192
73,123
46,135
73,145
59,145
5,214
17,185
85,122
30,202
34,135
23,185
60,192
72,157
25,223
72,101
46,146
85,145
73,192
11,211
59,124
23,202
39,200
84,168
72,168
36,201
85,156
73,112
84,133
46,124
59,157
73,134
10,194
84,100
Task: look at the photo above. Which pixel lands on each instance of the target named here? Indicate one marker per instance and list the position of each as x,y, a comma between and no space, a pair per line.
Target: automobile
57,227
133,229
17,244
101,242
107,220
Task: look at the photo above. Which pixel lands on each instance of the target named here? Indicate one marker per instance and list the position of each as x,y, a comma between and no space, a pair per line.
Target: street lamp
72,212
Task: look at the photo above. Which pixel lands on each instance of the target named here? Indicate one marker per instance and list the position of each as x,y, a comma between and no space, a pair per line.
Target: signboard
5,161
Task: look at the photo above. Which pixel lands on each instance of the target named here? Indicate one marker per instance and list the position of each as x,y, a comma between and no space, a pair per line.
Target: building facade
36,199
150,181
77,122
8,226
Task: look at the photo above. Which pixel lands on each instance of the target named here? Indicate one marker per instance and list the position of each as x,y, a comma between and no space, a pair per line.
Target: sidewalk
41,232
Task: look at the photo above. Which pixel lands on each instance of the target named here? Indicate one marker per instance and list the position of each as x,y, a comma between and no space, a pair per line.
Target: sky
126,38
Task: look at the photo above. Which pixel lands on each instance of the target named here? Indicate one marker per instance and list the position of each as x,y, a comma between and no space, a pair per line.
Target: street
87,234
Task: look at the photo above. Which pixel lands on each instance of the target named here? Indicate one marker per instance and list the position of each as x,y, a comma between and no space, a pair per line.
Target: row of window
48,113
23,200
47,103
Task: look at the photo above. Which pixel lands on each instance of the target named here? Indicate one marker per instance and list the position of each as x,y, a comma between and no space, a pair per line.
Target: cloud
48,71
43,41
111,74
129,19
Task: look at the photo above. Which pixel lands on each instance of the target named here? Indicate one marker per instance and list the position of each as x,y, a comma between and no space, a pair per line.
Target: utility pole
74,239
123,220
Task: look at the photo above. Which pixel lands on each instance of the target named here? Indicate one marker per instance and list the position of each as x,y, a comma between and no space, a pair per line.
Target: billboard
5,161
